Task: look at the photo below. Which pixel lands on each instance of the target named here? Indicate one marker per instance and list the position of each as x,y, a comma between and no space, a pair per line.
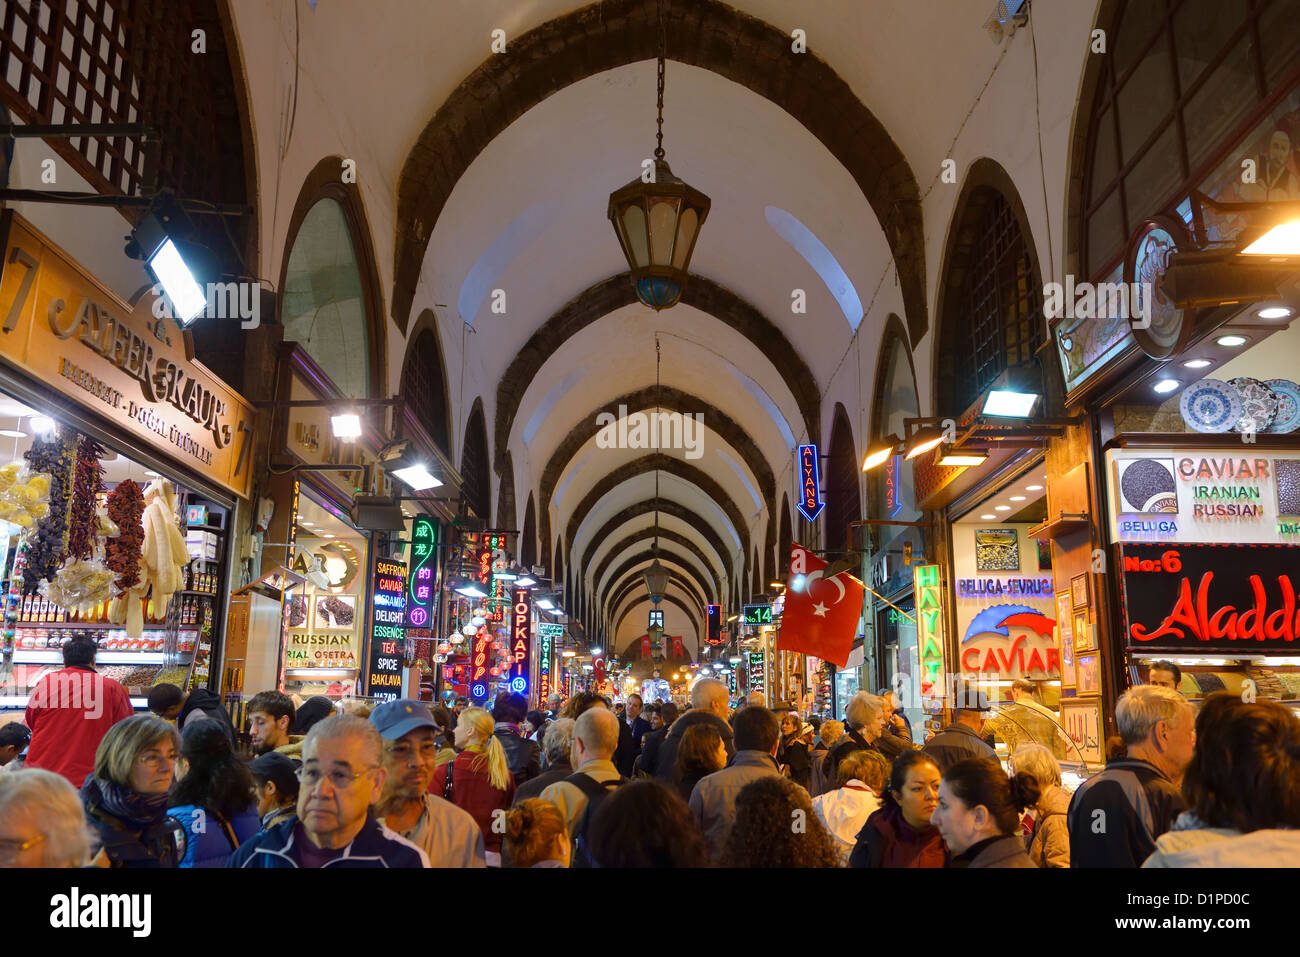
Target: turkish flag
820,617
677,647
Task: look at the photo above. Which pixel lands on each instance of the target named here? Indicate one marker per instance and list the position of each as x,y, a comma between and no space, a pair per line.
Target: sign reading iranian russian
1206,598
810,496
521,637
419,581
384,674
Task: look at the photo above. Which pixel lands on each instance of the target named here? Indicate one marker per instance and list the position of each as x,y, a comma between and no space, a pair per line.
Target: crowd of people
585,783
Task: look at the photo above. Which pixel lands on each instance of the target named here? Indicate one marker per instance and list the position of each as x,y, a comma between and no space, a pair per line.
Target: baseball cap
395,718
277,768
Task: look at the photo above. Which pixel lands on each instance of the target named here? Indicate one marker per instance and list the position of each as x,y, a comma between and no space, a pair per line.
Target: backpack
596,792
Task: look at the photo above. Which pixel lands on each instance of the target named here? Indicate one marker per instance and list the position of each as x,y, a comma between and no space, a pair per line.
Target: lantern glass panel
634,229
687,224
663,228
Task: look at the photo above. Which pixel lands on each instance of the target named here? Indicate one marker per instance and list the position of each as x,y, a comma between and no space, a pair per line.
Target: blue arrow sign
810,493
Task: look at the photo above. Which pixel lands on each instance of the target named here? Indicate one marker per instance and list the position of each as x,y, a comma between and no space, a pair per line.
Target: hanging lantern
656,580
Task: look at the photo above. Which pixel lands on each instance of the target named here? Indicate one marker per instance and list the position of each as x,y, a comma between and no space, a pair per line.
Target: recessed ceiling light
1017,498
13,434
1196,363
1001,508
1231,341
1166,385
326,535
988,518
153,473
1033,488
1275,312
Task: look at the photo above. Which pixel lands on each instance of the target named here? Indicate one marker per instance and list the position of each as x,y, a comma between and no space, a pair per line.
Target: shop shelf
1204,440
1063,524
52,656
95,626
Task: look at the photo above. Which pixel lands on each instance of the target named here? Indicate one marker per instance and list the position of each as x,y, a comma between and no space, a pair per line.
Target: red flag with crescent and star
821,615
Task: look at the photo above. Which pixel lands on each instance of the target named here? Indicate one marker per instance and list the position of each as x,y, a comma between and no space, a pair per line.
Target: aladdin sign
1231,598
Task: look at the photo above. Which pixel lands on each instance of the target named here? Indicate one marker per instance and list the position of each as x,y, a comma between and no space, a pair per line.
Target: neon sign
810,497
419,582
929,634
384,677
520,639
893,500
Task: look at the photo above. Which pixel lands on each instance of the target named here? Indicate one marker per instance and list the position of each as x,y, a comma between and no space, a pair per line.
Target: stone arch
843,489
477,482
507,515
682,574
664,507
647,535
785,541
672,600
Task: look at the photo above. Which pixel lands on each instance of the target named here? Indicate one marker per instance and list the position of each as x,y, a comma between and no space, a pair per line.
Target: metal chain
657,356
663,42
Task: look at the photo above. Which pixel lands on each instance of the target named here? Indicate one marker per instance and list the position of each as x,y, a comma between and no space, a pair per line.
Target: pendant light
656,576
657,222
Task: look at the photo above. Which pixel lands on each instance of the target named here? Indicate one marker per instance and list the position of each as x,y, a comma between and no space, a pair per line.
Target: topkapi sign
521,638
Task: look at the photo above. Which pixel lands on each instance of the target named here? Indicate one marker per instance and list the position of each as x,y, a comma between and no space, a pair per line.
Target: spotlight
923,441
879,453
401,459
1166,385
346,426
965,459
44,425
159,239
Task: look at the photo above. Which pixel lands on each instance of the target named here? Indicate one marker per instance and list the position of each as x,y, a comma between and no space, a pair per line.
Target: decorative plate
1210,405
1288,405
1258,404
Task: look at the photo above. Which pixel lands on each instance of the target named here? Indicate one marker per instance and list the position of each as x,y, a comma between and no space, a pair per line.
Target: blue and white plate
1210,405
1288,406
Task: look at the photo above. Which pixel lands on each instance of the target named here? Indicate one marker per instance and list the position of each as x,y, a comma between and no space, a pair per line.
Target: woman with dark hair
1242,789
534,726
979,813
445,736
792,751
762,836
701,752
211,799
126,796
644,824
900,833
316,708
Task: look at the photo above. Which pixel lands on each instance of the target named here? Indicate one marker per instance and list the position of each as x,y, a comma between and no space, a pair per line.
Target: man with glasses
447,834
342,776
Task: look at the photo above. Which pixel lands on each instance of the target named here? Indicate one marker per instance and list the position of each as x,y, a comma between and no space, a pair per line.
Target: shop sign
1081,720
893,496
521,639
1205,496
545,643
69,331
1011,641
1005,588
420,593
929,635
387,635
713,633
810,496
757,679
1235,599
478,668
758,615
548,630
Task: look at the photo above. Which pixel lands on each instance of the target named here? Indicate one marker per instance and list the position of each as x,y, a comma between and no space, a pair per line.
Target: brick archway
688,571
665,507
613,33
672,600
647,534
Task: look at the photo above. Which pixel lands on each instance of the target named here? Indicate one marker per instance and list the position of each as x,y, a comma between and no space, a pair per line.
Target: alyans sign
1230,598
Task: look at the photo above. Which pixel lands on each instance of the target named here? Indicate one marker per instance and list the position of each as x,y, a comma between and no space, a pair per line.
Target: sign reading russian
521,638
810,496
929,635
419,582
384,675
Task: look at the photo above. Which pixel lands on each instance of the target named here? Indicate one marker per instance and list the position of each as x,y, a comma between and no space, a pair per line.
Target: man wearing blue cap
449,835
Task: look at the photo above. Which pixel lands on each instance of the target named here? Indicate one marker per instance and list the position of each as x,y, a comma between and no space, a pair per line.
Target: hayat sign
1235,599
72,333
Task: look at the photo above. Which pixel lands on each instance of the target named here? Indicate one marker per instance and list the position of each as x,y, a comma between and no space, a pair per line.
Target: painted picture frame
997,550
1065,637
1088,670
335,613
1079,591
1081,719
1082,635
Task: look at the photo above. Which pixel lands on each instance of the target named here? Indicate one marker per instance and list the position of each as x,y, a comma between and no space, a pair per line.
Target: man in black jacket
557,742
523,757
708,705
170,703
961,739
1115,816
654,741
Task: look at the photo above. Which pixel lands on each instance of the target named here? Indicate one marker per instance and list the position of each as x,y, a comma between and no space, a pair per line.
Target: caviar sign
419,583
545,643
1235,599
384,676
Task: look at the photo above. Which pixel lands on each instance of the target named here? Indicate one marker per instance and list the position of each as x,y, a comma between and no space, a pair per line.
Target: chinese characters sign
420,593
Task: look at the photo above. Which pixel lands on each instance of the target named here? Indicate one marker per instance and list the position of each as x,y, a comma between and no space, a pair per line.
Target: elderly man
864,717
557,742
708,706
447,834
342,777
896,735
554,701
1023,720
713,801
595,738
1115,816
961,739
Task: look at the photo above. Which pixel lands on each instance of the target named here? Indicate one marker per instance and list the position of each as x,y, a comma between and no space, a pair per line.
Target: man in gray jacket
713,801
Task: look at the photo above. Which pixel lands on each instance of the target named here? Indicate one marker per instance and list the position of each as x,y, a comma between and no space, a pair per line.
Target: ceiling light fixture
13,434
1196,363
1275,312
658,222
880,452
1231,341
1164,386
1033,488
963,459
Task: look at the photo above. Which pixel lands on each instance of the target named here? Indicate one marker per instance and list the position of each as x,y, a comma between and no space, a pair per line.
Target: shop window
425,387
324,307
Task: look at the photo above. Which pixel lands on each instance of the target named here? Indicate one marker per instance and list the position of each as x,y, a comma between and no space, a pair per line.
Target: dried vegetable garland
45,551
125,506
87,483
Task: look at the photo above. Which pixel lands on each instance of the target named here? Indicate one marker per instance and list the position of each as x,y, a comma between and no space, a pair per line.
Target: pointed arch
528,537
477,488
843,487
424,382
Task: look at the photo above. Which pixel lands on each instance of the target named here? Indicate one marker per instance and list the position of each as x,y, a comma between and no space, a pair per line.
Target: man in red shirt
70,711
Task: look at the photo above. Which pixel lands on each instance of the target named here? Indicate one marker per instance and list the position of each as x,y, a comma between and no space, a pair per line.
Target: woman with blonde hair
479,780
537,835
41,821
126,797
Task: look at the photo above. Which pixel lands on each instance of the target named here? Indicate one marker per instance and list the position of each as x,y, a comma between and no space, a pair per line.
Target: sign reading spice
384,674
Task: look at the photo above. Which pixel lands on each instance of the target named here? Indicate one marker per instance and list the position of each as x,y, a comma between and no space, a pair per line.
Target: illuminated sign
758,615
478,667
713,633
1012,641
929,635
1227,598
384,675
893,498
546,635
420,594
521,637
548,630
756,675
810,498
1005,588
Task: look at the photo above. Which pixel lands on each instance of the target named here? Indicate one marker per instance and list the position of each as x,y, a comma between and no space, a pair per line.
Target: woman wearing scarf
127,795
900,833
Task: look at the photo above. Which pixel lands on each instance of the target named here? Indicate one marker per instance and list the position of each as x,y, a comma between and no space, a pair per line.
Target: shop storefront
123,463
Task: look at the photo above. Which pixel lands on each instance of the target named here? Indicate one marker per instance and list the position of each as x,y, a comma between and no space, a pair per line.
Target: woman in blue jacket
212,798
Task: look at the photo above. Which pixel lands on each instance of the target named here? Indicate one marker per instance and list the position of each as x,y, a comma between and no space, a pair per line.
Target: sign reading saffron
810,496
384,675
521,638
1229,598
419,583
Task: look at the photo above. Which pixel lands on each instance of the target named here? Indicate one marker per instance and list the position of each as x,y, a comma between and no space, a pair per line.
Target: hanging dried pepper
125,506
87,482
49,543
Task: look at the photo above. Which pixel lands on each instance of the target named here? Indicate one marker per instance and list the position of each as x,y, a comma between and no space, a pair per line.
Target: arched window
758,584
893,496
842,497
785,540
477,487
1178,79
424,384
528,540
506,512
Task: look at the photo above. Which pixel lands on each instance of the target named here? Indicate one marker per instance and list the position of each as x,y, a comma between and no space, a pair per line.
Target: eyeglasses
339,779
428,751
155,760
9,850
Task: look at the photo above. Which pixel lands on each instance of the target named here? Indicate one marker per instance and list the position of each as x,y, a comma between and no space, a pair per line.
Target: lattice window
426,395
474,465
